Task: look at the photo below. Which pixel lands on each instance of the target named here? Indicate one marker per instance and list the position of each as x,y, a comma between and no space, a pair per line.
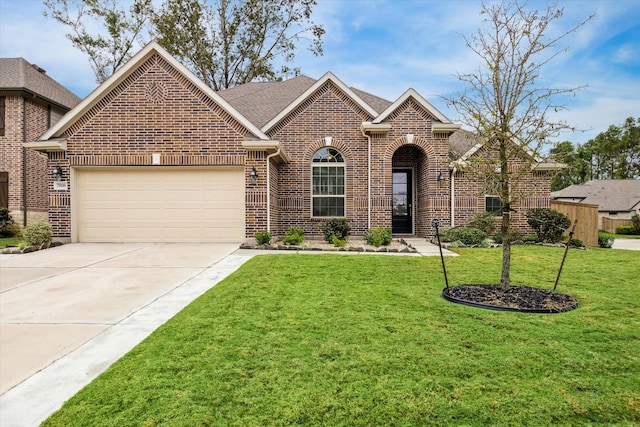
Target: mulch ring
515,298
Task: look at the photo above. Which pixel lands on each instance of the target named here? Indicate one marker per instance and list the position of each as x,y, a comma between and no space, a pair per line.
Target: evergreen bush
484,221
378,236
294,236
263,237
37,233
548,224
337,227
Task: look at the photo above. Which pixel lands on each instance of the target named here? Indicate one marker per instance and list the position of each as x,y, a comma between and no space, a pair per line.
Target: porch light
57,173
254,176
440,179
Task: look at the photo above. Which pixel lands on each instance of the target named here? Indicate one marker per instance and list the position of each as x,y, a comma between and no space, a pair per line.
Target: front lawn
344,340
10,241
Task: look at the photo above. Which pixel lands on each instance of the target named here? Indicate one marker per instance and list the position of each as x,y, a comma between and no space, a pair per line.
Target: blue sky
387,46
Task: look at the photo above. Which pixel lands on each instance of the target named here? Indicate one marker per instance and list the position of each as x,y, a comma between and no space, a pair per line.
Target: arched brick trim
418,141
318,144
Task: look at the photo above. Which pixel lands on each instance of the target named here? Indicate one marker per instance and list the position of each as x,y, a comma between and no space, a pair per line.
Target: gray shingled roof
615,195
18,74
260,102
461,142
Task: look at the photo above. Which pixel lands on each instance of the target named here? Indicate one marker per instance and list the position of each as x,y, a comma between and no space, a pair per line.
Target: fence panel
610,224
587,216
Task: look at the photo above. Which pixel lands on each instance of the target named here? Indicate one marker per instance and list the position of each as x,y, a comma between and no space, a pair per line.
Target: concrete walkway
628,244
67,313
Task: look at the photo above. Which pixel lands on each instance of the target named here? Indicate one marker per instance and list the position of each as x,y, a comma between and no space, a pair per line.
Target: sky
388,46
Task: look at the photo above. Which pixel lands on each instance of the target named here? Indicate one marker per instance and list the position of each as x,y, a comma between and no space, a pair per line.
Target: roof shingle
18,74
615,195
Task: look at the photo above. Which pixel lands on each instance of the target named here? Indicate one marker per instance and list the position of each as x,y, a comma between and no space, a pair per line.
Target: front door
402,222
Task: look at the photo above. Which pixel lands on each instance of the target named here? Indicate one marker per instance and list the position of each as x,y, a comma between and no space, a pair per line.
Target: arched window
327,184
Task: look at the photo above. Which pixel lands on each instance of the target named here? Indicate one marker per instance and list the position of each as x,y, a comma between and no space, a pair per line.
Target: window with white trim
492,202
327,184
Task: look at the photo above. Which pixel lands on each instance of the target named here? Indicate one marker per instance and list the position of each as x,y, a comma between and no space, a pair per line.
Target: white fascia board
412,93
375,128
445,127
329,76
270,146
59,144
122,73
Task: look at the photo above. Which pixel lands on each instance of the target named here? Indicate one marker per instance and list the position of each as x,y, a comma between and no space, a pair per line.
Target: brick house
153,154
30,102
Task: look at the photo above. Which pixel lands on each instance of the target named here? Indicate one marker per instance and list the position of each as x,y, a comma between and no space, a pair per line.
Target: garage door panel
160,205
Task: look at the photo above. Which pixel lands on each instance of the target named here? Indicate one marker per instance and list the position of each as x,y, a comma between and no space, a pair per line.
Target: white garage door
160,205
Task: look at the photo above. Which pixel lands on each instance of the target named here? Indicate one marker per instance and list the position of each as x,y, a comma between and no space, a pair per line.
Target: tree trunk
505,277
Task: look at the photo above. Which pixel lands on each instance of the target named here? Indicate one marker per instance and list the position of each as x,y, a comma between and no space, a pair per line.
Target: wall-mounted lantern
254,176
57,173
440,179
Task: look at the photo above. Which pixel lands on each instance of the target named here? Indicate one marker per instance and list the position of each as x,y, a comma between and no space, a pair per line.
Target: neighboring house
616,198
30,102
153,154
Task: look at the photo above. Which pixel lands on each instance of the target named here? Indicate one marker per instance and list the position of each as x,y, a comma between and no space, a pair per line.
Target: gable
155,104
327,106
347,96
106,91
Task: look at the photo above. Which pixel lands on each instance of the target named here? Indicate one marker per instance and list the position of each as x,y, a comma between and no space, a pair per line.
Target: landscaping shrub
378,236
576,243
294,236
635,220
37,233
530,238
337,227
605,240
8,227
468,236
548,224
263,237
338,242
484,221
626,229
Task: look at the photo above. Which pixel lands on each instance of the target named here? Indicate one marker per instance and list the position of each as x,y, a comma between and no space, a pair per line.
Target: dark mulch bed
515,298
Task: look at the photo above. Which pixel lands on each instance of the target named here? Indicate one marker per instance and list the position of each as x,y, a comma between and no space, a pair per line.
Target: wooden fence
587,216
609,224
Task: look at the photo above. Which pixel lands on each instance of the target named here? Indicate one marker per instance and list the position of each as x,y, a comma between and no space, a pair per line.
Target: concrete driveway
68,312
629,244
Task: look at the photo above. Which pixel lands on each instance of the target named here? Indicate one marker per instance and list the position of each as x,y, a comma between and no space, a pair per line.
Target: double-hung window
492,202
327,184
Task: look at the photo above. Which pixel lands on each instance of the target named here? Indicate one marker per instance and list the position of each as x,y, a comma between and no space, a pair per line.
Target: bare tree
102,29
509,112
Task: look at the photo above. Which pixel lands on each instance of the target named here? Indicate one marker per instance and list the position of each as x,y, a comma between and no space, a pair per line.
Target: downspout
269,188
452,181
368,177
24,162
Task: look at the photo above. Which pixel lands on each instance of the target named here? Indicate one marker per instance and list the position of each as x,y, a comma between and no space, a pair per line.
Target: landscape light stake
434,224
566,249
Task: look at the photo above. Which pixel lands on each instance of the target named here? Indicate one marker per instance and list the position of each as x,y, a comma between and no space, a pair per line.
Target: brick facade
25,120
155,107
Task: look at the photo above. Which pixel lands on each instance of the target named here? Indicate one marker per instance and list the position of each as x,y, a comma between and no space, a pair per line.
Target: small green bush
378,236
605,240
294,236
530,238
8,227
467,236
338,242
338,227
548,224
628,230
635,221
484,221
263,237
37,233
576,243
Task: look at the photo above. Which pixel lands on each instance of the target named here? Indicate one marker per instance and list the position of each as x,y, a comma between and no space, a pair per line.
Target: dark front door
402,202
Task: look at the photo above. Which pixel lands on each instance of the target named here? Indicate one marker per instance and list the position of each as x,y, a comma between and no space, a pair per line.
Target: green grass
367,340
10,241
